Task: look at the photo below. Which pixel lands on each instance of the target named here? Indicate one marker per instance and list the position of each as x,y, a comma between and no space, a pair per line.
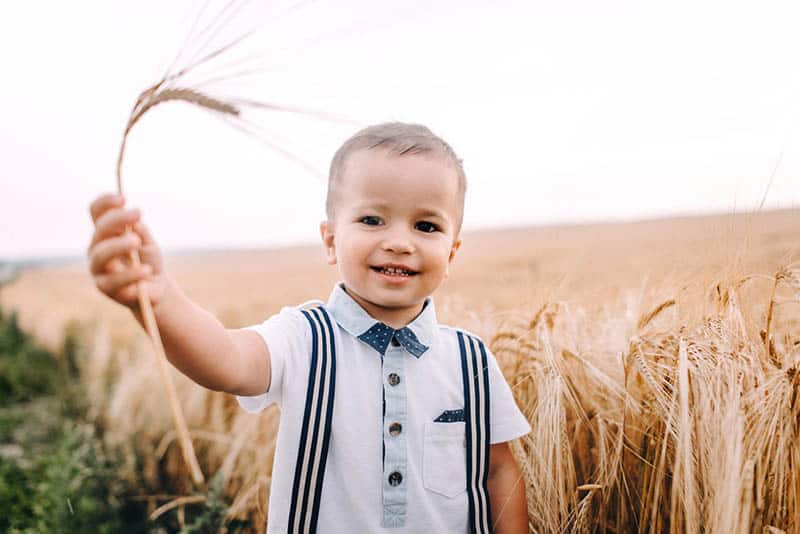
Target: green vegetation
212,516
55,475
26,371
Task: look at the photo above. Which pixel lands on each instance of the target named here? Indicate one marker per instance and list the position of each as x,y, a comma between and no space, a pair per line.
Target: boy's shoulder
299,314
455,330
290,320
308,305
295,312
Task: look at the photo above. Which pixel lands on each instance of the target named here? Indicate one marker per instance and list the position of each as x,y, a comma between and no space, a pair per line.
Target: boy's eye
370,220
427,227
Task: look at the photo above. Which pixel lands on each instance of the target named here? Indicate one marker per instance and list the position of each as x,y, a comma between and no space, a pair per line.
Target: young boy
387,417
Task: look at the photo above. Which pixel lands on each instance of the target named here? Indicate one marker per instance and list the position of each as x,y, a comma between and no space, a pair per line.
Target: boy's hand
109,253
196,342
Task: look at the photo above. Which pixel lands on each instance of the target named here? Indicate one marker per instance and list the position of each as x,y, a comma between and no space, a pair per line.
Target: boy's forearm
508,502
195,341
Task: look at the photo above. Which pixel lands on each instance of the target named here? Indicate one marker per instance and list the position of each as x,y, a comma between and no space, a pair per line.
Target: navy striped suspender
475,376
315,434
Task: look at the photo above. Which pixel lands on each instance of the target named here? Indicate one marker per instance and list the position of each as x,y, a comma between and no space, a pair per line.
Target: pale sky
566,111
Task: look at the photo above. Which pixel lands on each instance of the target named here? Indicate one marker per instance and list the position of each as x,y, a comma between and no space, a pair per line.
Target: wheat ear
147,100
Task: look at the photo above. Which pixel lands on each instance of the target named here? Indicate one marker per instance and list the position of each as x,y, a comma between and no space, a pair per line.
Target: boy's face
393,234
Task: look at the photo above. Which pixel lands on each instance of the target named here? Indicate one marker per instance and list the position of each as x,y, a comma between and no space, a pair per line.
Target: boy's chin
387,299
396,304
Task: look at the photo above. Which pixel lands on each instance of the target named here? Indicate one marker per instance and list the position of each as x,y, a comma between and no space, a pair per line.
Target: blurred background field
657,362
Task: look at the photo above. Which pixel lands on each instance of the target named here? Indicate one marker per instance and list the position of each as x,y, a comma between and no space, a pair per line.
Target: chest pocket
444,458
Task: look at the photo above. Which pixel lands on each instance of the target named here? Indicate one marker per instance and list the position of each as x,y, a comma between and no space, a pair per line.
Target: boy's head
397,138
395,206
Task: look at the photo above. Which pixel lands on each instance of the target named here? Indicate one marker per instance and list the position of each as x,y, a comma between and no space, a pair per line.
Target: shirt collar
356,321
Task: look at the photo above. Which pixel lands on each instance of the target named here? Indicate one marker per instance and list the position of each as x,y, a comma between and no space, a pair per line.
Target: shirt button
395,429
394,379
395,478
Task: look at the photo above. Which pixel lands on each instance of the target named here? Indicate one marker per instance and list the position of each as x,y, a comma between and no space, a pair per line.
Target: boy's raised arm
236,361
198,345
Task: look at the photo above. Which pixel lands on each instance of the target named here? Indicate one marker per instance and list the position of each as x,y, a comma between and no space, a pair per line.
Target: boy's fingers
100,254
115,265
113,222
103,203
114,283
144,232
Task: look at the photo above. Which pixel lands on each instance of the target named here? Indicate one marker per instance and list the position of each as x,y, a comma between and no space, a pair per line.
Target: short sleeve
286,336
507,421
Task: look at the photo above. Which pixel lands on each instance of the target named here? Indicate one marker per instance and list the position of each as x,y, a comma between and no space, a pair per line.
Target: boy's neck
397,318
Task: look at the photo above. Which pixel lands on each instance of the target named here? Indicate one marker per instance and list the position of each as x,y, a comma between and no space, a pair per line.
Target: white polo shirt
397,448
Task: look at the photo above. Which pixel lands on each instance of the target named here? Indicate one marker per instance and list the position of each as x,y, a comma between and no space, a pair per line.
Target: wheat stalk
167,89
148,99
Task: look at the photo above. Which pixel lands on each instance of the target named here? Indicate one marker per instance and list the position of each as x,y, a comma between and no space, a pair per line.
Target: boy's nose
398,242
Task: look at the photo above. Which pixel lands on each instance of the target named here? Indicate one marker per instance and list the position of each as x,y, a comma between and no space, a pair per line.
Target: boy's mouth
394,270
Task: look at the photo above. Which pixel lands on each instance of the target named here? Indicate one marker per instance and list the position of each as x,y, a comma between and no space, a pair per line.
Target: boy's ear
453,249
326,233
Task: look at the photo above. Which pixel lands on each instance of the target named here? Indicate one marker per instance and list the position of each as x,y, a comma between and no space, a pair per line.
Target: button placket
395,470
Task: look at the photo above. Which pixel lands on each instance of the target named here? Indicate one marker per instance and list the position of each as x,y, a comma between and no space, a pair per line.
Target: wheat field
656,361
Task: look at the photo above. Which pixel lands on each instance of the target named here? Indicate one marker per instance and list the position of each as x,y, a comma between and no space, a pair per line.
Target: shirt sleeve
286,336
507,421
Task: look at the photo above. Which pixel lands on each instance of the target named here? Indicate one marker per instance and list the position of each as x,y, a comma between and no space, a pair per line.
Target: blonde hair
397,138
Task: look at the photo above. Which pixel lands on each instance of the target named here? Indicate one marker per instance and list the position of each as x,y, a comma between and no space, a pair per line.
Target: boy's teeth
392,270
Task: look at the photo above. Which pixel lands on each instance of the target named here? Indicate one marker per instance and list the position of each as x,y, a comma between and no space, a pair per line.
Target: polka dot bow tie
379,336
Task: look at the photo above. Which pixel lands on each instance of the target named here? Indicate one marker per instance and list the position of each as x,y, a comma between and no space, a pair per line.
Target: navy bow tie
379,336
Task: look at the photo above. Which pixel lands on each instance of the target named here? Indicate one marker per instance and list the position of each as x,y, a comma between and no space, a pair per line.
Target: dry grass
657,363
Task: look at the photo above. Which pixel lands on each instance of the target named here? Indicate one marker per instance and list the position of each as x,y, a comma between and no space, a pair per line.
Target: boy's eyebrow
430,212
